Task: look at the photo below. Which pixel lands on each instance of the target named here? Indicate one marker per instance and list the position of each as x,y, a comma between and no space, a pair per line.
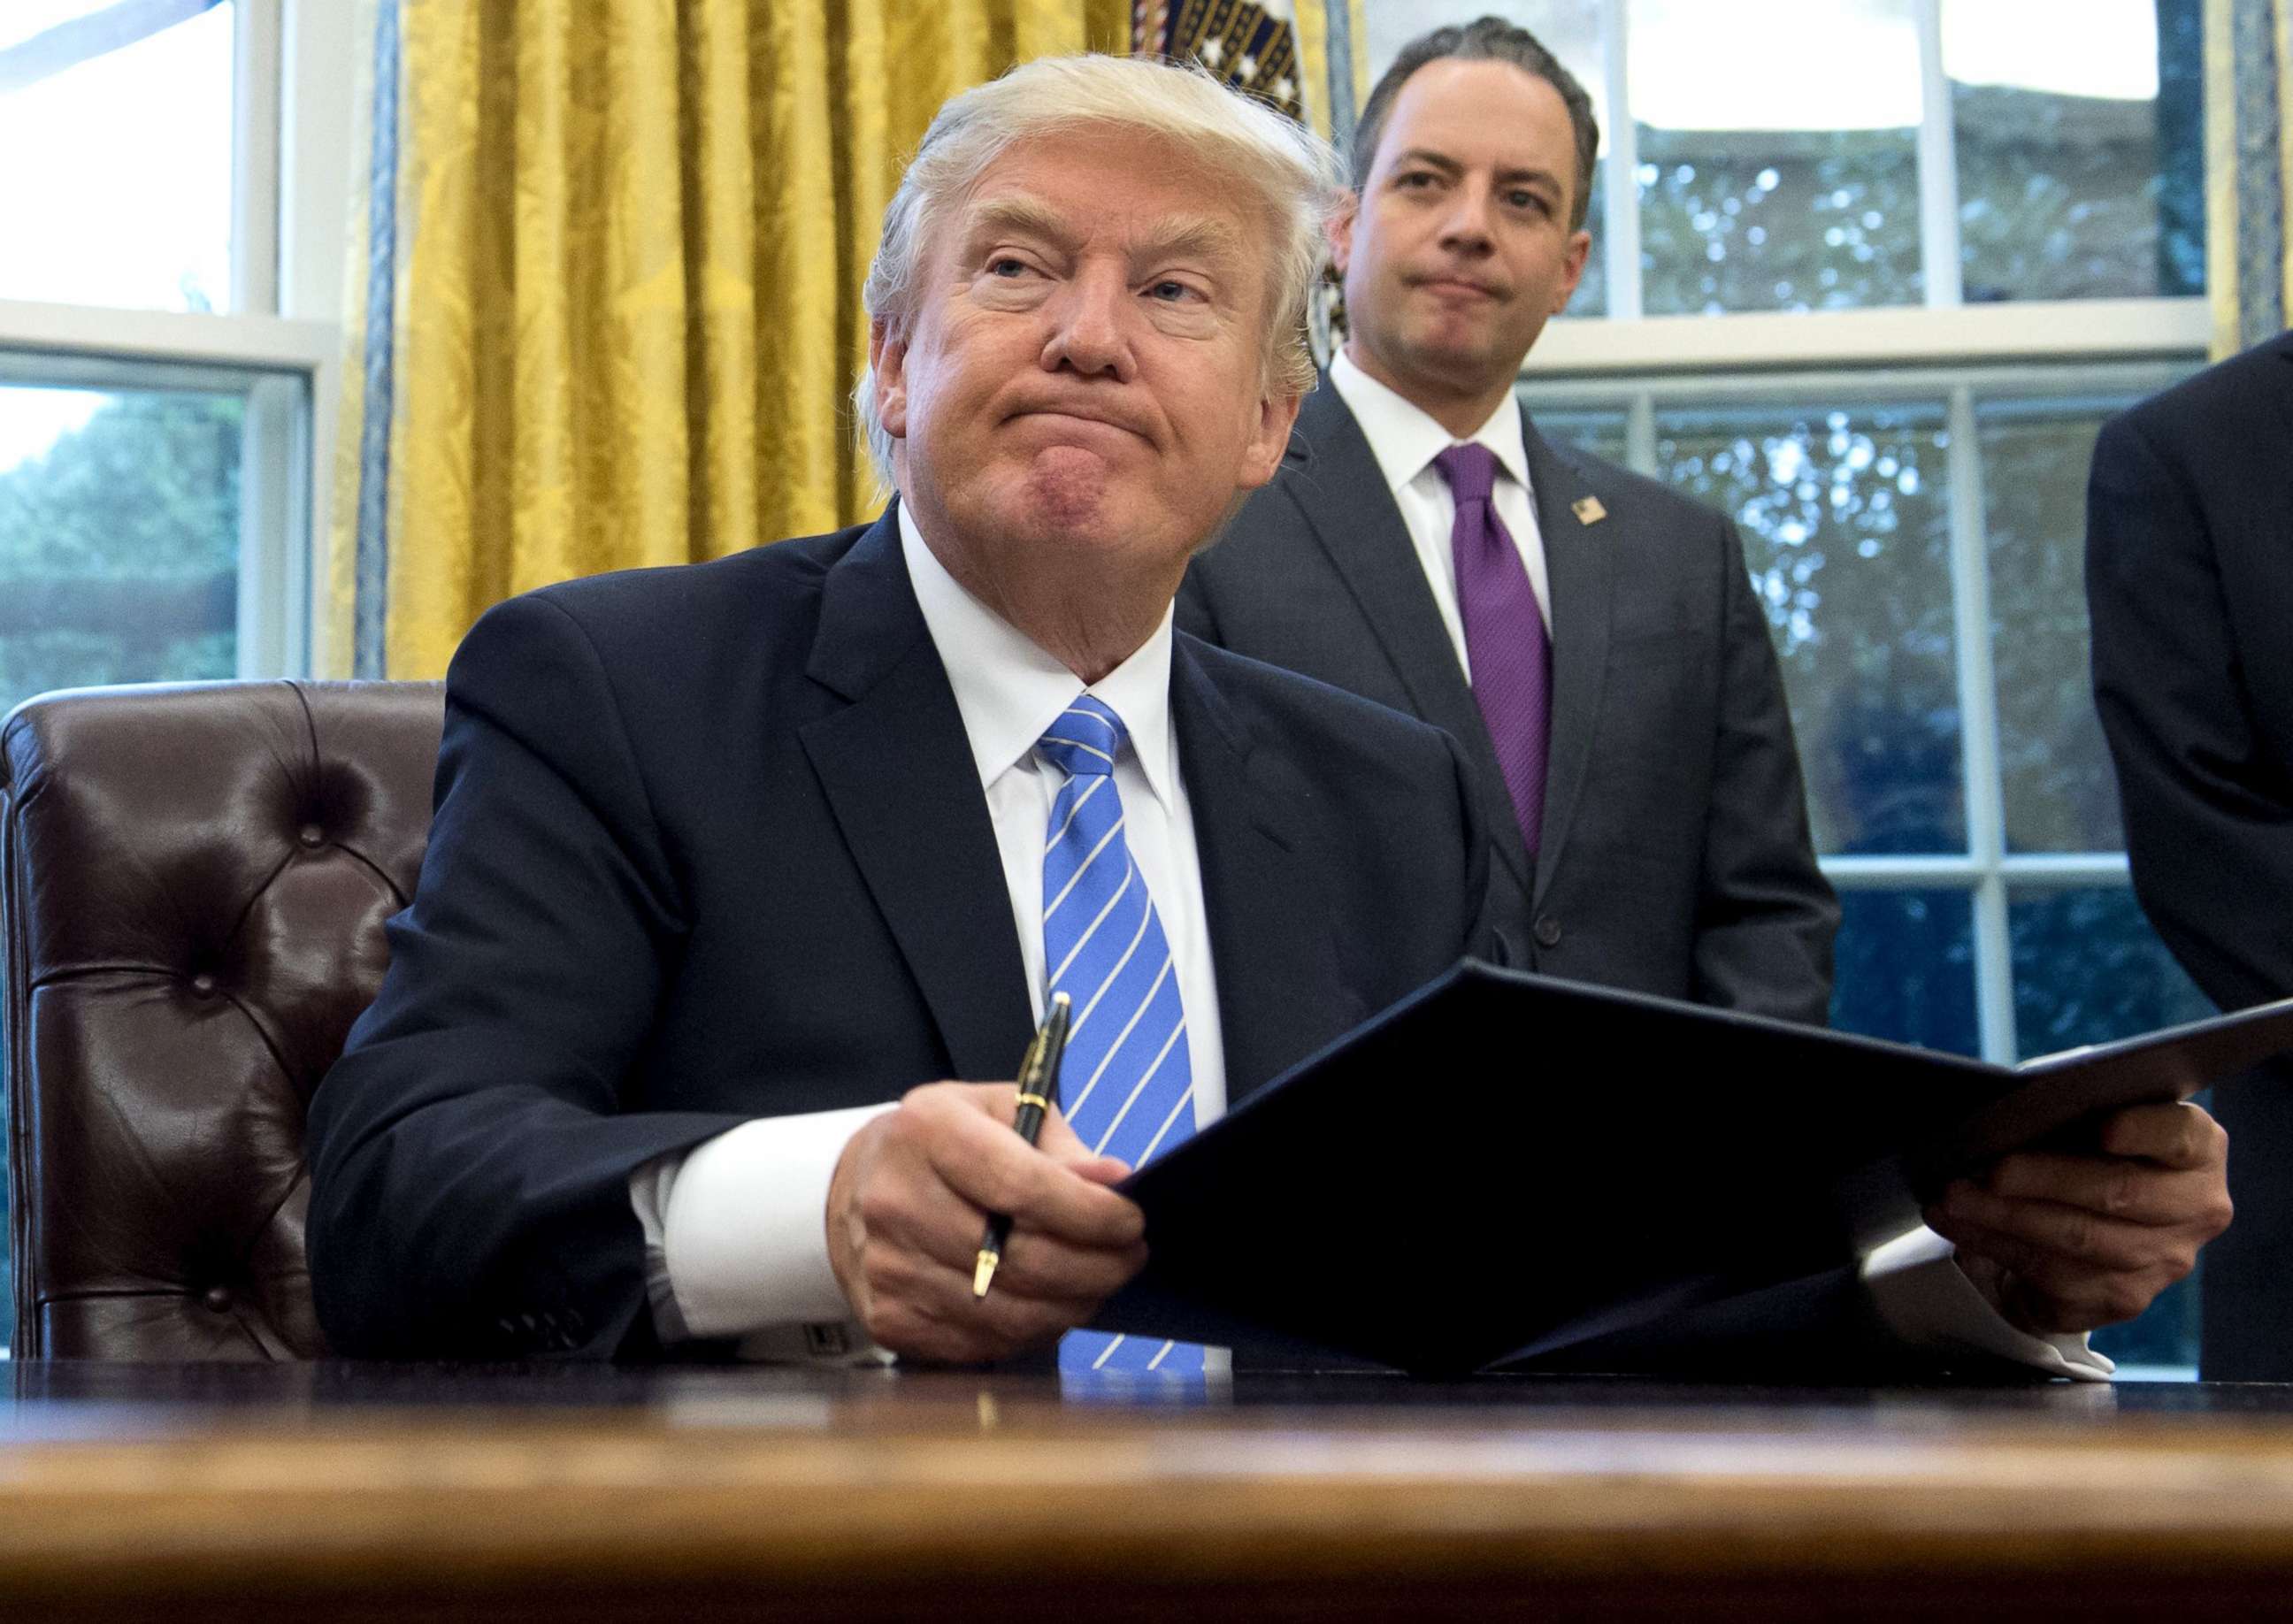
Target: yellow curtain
621,253
2249,170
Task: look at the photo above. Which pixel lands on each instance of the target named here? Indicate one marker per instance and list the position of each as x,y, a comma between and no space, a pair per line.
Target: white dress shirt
1406,439
735,1229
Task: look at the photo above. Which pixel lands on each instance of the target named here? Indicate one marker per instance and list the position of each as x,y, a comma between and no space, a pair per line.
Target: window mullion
1978,720
1639,434
1622,180
274,504
1938,245
255,156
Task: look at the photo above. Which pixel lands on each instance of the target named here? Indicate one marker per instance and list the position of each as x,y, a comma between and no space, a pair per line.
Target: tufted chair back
193,881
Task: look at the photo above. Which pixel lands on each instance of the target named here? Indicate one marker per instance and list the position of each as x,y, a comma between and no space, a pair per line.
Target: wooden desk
335,1492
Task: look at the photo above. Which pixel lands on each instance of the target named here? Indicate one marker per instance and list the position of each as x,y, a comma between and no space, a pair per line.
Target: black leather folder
1505,1164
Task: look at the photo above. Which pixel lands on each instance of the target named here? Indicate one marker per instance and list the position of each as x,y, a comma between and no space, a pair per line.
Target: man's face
1458,249
1080,388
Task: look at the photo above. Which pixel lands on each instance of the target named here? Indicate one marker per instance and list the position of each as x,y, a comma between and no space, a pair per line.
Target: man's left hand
2066,1242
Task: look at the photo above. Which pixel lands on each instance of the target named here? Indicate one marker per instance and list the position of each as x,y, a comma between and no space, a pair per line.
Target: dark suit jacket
1676,858
709,844
2190,580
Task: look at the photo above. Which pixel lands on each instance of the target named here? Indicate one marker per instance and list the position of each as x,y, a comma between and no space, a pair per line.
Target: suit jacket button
1548,931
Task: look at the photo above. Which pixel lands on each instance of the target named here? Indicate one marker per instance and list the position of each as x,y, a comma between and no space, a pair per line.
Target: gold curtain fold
629,238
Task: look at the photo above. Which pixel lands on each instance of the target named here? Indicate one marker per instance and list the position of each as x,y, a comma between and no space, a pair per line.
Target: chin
1069,497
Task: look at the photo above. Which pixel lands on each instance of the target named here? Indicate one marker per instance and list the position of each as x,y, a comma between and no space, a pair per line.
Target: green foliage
119,548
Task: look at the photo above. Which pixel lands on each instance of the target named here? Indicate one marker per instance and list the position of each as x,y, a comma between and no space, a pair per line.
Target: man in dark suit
731,861
2190,581
1592,641
1645,800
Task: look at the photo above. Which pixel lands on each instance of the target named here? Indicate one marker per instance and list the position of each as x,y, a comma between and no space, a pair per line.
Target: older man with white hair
732,861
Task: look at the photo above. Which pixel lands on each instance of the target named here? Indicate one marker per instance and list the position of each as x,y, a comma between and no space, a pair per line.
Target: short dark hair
1488,39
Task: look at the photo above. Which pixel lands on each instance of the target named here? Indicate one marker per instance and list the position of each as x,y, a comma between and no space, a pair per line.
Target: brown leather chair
193,881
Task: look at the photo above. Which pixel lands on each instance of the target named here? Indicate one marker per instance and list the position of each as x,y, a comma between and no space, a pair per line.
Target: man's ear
1261,459
1580,249
1341,228
888,360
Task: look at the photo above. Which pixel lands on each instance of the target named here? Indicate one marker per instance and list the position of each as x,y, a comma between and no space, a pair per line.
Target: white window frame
280,348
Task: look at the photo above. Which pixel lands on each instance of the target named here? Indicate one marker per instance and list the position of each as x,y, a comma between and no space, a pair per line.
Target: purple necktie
1504,634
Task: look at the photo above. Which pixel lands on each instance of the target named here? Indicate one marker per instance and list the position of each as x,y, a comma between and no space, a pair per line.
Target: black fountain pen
1039,1091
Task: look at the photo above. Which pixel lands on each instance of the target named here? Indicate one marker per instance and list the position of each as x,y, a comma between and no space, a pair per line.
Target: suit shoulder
1637,495
1311,717
2247,393
648,613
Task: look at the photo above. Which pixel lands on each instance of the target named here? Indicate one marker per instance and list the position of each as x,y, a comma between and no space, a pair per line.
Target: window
132,106
1871,275
168,335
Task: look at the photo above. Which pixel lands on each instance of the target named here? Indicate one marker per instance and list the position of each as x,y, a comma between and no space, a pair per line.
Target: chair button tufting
203,985
217,1298
312,834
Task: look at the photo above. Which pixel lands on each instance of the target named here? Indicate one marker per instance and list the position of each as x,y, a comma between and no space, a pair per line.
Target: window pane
129,202
2089,969
1906,968
119,538
1778,154
2080,170
1602,433
2061,792
1846,528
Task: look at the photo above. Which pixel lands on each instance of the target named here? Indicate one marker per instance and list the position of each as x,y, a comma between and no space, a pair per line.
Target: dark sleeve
470,1154
1765,916
2208,812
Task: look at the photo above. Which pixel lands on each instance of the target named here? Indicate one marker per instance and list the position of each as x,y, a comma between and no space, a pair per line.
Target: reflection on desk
362,1492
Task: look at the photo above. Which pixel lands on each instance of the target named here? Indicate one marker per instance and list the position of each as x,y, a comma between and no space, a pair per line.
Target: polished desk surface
361,1491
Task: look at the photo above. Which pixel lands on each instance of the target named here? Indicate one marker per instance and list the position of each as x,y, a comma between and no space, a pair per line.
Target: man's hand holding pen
913,1191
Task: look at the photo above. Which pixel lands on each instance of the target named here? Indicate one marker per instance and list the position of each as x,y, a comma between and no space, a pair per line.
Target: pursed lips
1059,416
1455,285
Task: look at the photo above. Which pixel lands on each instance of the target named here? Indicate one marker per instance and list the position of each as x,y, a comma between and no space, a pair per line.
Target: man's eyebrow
1432,160
1515,177
1027,216
1188,234
1174,234
1448,166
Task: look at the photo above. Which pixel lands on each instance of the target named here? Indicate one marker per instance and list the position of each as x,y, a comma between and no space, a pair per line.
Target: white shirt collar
1010,692
1404,438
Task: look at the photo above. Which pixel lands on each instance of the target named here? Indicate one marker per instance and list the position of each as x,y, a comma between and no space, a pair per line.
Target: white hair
1293,172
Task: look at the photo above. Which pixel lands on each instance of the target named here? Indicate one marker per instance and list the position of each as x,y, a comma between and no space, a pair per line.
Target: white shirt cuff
736,1236
1926,1299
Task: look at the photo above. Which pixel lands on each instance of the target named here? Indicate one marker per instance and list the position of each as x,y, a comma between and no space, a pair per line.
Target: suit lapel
1340,487
903,789
1580,572
1270,945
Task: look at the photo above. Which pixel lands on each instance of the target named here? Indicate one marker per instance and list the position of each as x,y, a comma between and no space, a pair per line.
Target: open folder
1503,1164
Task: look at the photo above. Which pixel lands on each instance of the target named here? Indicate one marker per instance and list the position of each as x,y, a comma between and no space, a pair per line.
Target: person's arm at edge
2204,841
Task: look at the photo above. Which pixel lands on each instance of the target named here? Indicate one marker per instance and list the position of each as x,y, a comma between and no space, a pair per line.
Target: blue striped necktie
1126,1085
